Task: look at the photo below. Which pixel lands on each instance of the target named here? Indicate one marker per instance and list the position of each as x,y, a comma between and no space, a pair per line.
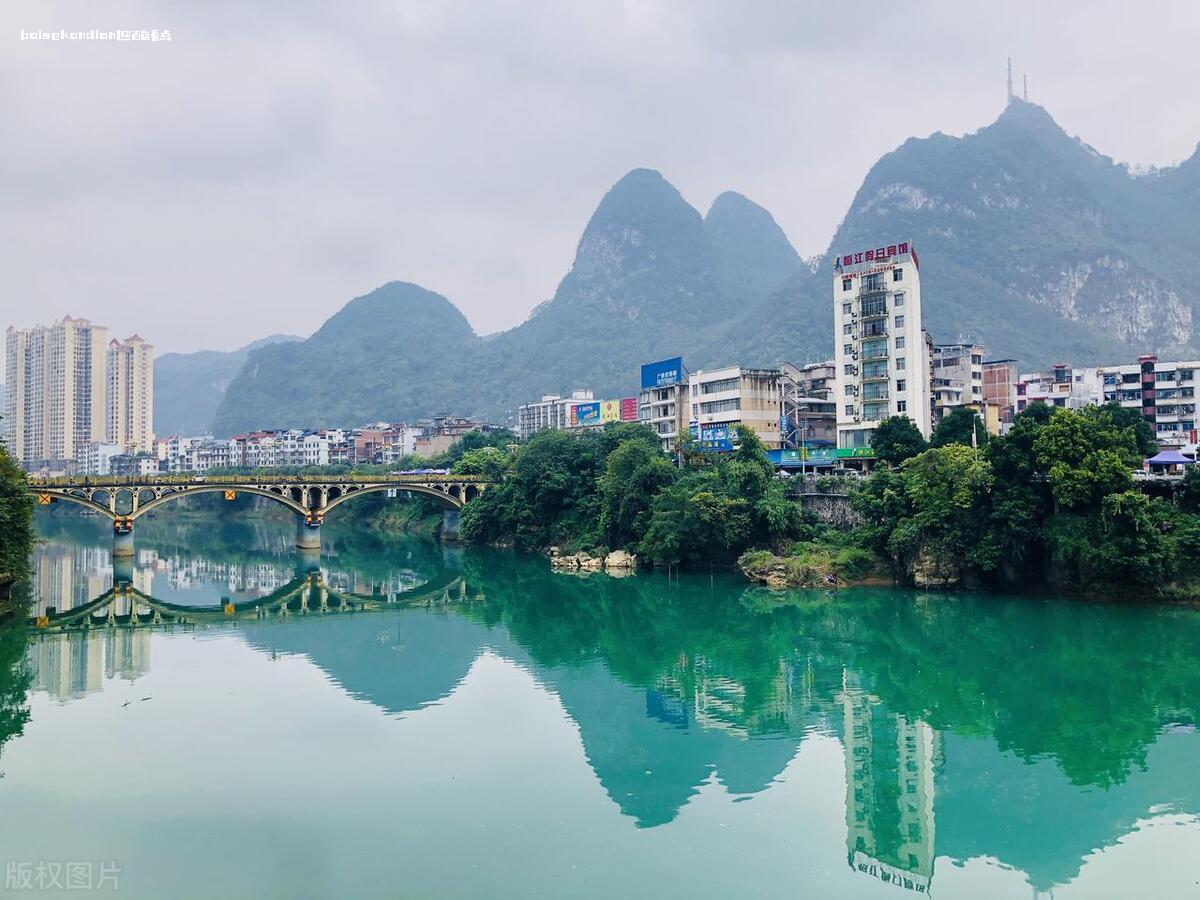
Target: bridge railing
175,480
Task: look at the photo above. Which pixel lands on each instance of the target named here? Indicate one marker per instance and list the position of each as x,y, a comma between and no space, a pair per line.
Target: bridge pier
308,533
450,525
122,569
122,539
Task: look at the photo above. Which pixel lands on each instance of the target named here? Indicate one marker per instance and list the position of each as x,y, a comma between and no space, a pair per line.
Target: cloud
270,163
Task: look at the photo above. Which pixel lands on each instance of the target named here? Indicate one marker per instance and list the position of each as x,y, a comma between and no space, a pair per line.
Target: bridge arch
445,497
201,488
82,499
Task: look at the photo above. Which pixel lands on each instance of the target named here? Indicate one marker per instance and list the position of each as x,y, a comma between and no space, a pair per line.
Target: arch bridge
124,499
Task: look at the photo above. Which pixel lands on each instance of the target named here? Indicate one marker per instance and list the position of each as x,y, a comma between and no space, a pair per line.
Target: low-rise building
126,465
1163,392
553,411
808,409
723,398
1062,386
96,458
663,400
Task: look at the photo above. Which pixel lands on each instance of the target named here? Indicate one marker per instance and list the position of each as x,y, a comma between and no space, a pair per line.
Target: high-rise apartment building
129,399
882,363
55,401
663,401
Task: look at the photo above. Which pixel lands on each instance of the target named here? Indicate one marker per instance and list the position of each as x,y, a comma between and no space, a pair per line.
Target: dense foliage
1053,499
614,489
16,524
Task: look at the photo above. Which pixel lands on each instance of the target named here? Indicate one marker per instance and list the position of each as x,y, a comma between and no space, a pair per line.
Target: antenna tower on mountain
1010,90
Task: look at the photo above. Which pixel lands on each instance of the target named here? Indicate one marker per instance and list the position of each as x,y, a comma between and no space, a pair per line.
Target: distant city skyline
260,170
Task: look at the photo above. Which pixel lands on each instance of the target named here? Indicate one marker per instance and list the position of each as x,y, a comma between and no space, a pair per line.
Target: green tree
634,473
896,439
956,428
16,524
1085,456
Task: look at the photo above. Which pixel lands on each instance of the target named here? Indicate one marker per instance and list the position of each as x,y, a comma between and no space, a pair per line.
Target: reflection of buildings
720,702
66,576
890,762
68,666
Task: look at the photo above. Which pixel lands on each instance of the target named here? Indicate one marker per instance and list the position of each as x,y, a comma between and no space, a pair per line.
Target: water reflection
1032,732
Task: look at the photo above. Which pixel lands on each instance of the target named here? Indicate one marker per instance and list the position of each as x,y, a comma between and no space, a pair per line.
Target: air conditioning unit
857,419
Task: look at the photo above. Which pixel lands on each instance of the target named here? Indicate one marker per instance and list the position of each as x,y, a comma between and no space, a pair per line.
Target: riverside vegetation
1054,502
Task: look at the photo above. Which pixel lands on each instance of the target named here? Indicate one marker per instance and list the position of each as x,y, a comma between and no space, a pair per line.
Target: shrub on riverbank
1053,500
614,489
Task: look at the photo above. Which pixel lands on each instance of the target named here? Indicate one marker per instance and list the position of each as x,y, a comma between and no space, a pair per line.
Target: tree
1085,456
896,439
16,522
1125,417
634,473
956,428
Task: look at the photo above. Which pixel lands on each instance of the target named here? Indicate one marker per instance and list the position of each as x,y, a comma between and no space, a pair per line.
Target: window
897,274
846,282
898,300
901,406
849,390
845,309
849,409
901,385
900,342
848,328
899,321
899,363
847,349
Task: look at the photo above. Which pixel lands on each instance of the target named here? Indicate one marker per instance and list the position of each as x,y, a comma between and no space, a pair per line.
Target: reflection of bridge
311,497
301,596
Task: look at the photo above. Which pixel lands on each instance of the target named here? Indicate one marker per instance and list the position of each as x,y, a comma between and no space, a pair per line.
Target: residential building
1163,392
96,458
1000,386
735,395
54,404
958,383
881,356
808,409
1062,386
129,399
552,411
125,465
663,401
437,435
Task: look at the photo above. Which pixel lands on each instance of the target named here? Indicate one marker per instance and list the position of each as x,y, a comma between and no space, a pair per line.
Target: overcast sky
265,166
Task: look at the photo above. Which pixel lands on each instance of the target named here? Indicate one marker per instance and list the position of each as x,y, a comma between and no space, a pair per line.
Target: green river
402,719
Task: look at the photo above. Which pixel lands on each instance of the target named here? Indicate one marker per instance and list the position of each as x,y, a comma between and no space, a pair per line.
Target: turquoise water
433,722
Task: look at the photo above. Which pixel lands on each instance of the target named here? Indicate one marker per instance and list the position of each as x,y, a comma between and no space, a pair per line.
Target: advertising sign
629,409
716,437
610,411
662,373
585,414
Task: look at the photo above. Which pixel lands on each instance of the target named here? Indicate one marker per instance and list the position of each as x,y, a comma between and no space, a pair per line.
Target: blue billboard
662,373
586,413
716,437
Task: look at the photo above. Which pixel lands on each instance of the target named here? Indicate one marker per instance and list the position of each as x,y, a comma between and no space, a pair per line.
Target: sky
272,161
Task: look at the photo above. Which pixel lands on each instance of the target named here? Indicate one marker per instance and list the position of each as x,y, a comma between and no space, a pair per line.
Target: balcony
875,350
873,330
880,394
875,308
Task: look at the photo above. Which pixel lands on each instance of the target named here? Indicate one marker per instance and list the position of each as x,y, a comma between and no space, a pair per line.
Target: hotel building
882,363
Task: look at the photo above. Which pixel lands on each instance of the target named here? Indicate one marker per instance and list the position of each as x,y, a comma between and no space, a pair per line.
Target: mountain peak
753,255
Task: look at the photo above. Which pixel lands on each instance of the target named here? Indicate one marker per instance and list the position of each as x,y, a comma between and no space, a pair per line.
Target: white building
96,458
1062,386
552,411
1164,393
733,395
882,363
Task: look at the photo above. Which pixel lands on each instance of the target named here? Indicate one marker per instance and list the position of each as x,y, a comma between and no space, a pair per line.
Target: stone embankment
618,563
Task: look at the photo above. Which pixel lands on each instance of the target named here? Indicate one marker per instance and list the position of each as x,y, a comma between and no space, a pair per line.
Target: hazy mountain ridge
1029,240
188,387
